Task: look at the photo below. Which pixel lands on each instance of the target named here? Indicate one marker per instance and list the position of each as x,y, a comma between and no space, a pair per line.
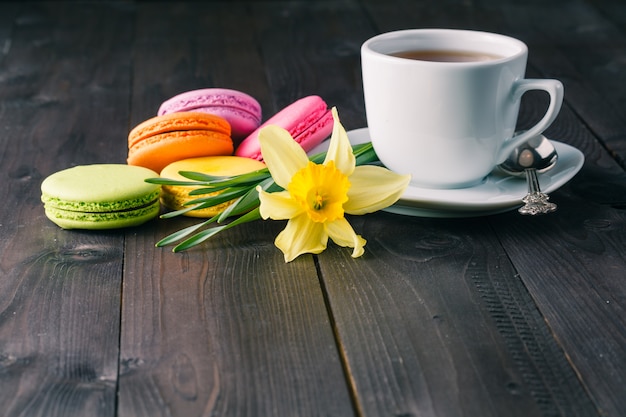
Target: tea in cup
442,104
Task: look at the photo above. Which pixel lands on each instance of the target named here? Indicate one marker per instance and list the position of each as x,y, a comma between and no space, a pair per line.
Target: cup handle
555,89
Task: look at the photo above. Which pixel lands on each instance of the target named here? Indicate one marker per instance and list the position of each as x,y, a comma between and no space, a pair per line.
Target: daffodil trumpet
312,193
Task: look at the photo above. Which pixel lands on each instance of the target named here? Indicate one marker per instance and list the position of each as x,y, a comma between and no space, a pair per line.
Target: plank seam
345,366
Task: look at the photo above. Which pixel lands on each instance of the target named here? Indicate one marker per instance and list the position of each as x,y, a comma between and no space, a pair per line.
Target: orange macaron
161,140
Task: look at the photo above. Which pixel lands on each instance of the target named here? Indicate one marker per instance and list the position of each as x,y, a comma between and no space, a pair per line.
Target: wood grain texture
314,53
60,290
209,333
584,301
7,19
584,59
547,62
447,328
227,329
584,49
192,46
498,316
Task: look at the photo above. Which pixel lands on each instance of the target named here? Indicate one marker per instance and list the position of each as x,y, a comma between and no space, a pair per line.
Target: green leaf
177,213
198,176
208,233
167,181
250,200
181,234
208,190
249,177
220,198
364,154
243,204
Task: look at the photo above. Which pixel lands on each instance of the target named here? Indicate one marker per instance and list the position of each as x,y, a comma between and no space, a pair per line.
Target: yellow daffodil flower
316,196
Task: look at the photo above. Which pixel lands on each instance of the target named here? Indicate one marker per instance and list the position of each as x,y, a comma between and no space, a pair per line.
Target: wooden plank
313,48
227,329
183,57
550,383
212,332
579,291
580,297
436,312
8,11
60,290
584,48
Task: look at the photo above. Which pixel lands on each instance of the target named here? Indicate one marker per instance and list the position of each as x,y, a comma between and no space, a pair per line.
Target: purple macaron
242,111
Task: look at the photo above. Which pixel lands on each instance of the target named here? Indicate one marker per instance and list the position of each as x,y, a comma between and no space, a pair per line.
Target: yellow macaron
175,197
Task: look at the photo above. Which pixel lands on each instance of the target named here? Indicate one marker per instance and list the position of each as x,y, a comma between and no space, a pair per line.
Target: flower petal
374,188
301,236
278,205
282,155
339,148
343,234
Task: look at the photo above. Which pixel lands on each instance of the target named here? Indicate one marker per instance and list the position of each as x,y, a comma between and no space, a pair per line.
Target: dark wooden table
501,315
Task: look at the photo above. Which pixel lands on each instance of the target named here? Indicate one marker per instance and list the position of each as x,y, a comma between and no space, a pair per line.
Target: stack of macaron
218,121
213,131
186,136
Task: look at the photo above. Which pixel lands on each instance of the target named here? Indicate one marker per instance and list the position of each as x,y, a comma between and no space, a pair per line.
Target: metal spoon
535,156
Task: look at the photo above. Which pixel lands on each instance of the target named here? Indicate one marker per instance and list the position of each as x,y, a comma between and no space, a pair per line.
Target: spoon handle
535,201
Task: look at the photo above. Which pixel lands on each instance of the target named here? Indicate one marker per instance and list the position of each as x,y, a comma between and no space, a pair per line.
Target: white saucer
496,194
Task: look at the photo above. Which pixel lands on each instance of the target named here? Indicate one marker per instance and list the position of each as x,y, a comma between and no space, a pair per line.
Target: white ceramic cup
448,124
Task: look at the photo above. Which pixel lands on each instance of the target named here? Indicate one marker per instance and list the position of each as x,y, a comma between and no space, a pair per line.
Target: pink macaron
242,111
308,120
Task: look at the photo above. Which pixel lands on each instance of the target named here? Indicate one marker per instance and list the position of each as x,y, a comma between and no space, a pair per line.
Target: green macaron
100,196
